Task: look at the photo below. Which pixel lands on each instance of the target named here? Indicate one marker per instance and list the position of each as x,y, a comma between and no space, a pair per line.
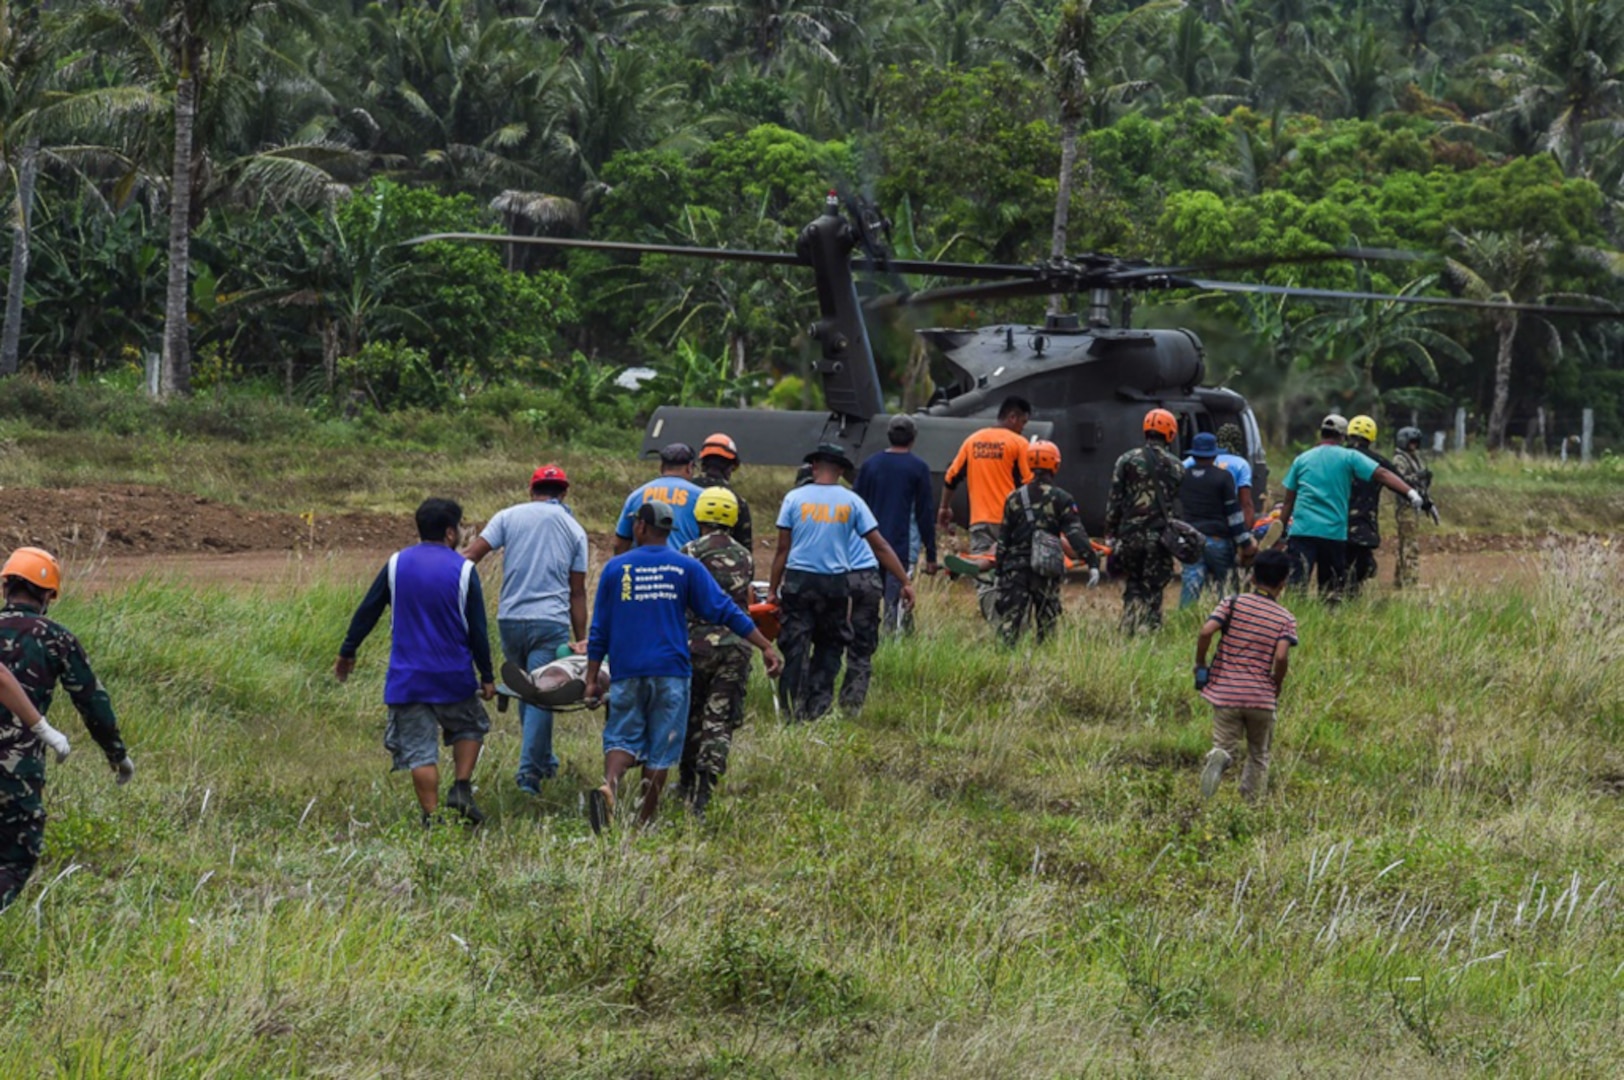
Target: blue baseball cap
1204,445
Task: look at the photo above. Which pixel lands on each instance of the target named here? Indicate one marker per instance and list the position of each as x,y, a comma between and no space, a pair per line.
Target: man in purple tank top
439,639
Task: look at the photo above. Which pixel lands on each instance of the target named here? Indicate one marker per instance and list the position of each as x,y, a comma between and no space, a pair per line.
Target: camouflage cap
1230,439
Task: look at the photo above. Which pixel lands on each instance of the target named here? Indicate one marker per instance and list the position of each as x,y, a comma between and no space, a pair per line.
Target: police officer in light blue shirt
675,488
817,526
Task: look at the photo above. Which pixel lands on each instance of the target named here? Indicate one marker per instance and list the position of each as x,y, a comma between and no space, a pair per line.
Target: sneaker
529,785
600,808
461,799
1213,772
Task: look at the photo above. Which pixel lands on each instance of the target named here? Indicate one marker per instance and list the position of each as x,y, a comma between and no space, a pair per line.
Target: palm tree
194,47
43,96
770,32
1360,74
1574,90
458,93
1386,333
1187,66
1077,69
343,273
1504,268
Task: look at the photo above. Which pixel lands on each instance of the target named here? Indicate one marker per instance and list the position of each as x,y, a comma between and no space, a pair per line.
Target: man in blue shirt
817,525
543,600
675,488
640,620
1316,508
897,487
439,637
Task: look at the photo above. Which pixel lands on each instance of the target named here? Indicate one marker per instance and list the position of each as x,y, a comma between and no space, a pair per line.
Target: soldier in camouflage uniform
1407,462
1053,511
721,660
1144,494
41,653
718,458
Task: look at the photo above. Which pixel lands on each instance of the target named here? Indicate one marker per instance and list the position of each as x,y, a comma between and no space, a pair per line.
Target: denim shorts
412,729
648,718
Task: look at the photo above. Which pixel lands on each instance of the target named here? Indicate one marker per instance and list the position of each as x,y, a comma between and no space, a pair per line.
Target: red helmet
549,474
1043,454
1161,422
720,445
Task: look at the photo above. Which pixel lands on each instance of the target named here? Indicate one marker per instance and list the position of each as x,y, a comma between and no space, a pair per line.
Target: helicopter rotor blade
972,271
774,258
1300,293
1003,290
1263,262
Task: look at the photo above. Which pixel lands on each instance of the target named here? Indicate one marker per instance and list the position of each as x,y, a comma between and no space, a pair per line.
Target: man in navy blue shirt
640,620
439,637
896,486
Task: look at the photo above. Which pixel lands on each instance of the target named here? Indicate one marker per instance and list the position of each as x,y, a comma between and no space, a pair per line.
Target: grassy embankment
1002,867
250,451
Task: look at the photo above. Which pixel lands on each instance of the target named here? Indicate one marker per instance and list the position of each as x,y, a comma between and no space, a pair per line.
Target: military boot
461,799
703,785
683,789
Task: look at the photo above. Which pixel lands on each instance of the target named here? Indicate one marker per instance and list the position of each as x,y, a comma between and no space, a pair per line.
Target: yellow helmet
717,506
1362,427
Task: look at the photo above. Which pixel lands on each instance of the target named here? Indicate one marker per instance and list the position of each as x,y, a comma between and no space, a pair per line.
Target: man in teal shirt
1316,510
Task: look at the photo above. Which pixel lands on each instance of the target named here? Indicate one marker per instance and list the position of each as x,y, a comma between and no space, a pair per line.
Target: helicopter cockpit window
1189,425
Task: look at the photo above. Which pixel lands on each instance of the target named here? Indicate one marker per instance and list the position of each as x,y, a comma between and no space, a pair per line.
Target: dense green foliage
327,132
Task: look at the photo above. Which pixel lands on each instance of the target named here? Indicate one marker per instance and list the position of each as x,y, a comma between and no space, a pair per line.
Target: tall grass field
1002,867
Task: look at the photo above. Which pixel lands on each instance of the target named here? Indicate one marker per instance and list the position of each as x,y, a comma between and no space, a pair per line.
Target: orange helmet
1161,422
1042,454
36,566
720,445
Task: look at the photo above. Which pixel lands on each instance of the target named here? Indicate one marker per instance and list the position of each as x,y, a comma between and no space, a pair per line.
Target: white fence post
1587,434
1460,428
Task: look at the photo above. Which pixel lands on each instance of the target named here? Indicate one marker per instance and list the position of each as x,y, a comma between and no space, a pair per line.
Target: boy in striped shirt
1243,684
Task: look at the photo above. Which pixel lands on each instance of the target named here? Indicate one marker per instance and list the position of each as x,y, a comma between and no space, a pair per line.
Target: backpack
1183,541
1048,558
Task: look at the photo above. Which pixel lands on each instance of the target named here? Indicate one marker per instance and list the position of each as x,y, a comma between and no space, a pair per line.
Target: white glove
53,738
125,769
1094,577
1416,499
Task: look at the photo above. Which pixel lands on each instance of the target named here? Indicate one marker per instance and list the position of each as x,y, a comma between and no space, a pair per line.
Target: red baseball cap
549,474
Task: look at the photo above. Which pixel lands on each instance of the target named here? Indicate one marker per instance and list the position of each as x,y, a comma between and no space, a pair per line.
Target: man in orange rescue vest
993,461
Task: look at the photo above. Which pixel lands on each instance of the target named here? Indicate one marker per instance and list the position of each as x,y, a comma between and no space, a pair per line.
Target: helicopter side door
1193,419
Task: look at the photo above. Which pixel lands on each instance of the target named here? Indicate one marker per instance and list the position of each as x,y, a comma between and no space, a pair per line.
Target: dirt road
113,534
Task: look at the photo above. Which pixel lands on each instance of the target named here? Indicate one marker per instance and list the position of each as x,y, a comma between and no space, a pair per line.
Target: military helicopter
1090,382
